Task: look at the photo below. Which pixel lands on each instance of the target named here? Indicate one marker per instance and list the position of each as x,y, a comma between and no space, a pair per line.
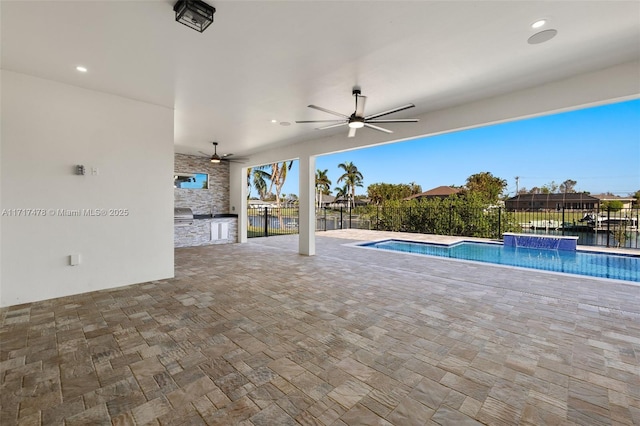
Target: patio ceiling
267,60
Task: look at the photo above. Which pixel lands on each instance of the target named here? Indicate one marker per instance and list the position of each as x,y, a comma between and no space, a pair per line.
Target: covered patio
255,334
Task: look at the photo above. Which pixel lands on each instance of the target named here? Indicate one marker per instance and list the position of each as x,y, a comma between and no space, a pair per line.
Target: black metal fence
610,228
267,221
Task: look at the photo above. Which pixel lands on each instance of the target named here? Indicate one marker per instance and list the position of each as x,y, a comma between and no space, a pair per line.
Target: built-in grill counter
182,216
203,214
203,229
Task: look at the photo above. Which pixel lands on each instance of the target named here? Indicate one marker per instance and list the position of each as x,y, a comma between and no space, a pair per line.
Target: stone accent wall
199,234
203,201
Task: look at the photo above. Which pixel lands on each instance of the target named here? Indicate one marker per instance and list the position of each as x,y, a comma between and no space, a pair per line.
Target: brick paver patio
256,334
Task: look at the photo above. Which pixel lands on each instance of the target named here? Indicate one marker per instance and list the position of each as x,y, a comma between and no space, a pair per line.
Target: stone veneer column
307,213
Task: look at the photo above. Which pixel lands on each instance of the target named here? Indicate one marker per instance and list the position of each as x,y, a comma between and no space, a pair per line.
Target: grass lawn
255,231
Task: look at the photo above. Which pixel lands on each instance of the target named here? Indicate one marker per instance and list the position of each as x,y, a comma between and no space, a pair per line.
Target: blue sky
598,147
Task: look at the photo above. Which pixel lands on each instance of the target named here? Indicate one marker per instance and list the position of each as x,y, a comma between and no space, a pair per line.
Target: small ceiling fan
215,158
358,120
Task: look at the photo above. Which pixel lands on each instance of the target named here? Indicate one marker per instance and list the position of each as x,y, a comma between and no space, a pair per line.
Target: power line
583,177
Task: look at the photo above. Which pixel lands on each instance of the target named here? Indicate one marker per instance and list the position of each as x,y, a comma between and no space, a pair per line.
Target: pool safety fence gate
609,228
268,221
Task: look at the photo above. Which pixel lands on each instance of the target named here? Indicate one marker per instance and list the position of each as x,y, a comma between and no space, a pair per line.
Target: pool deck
256,334
364,235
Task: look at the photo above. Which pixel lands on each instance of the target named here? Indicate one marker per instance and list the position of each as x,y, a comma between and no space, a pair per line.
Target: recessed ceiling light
539,23
274,121
542,36
81,68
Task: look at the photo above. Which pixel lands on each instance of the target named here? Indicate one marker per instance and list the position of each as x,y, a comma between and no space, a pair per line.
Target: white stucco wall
47,129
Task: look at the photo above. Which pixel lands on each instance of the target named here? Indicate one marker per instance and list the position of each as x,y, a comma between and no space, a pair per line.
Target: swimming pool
603,265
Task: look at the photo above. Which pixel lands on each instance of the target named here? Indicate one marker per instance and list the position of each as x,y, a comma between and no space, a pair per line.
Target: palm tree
351,177
278,176
342,192
323,185
258,177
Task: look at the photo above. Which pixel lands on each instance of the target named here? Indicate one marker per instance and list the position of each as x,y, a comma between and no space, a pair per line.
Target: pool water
604,265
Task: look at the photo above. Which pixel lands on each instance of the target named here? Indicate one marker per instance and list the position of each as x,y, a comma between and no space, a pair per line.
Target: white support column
307,214
238,198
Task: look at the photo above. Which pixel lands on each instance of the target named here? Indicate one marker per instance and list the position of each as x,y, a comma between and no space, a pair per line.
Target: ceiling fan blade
319,121
391,111
394,120
333,125
360,101
377,128
205,154
328,111
352,132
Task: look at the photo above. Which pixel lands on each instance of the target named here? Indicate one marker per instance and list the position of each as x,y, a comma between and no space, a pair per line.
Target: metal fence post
377,218
325,218
562,220
341,221
266,222
608,224
499,222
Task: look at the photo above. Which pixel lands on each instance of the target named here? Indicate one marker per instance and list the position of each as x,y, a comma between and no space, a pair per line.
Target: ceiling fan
358,120
215,158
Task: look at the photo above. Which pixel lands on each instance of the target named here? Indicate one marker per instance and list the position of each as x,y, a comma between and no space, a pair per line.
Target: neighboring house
327,200
439,192
256,204
535,202
626,201
342,202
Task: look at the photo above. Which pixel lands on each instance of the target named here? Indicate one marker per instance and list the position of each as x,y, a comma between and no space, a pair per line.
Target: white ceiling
264,60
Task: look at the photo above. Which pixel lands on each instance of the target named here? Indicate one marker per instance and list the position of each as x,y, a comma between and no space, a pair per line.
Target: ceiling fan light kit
358,120
356,123
195,14
215,158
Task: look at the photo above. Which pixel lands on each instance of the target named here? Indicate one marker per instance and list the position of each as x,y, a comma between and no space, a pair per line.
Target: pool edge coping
359,244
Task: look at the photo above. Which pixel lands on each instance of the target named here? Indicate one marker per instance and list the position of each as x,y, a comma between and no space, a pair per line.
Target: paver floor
255,334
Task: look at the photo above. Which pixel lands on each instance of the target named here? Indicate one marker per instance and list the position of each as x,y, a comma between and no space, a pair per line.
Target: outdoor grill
182,216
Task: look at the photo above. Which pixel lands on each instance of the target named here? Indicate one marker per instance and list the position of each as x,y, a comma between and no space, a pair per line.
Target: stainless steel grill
182,216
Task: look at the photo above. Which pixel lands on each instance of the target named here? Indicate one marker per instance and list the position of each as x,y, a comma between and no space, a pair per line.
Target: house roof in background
607,197
440,191
569,196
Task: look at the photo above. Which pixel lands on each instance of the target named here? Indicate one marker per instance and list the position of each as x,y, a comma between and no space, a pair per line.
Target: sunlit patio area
256,334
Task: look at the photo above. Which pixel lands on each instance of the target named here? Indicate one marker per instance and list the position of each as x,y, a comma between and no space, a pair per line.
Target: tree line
268,181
